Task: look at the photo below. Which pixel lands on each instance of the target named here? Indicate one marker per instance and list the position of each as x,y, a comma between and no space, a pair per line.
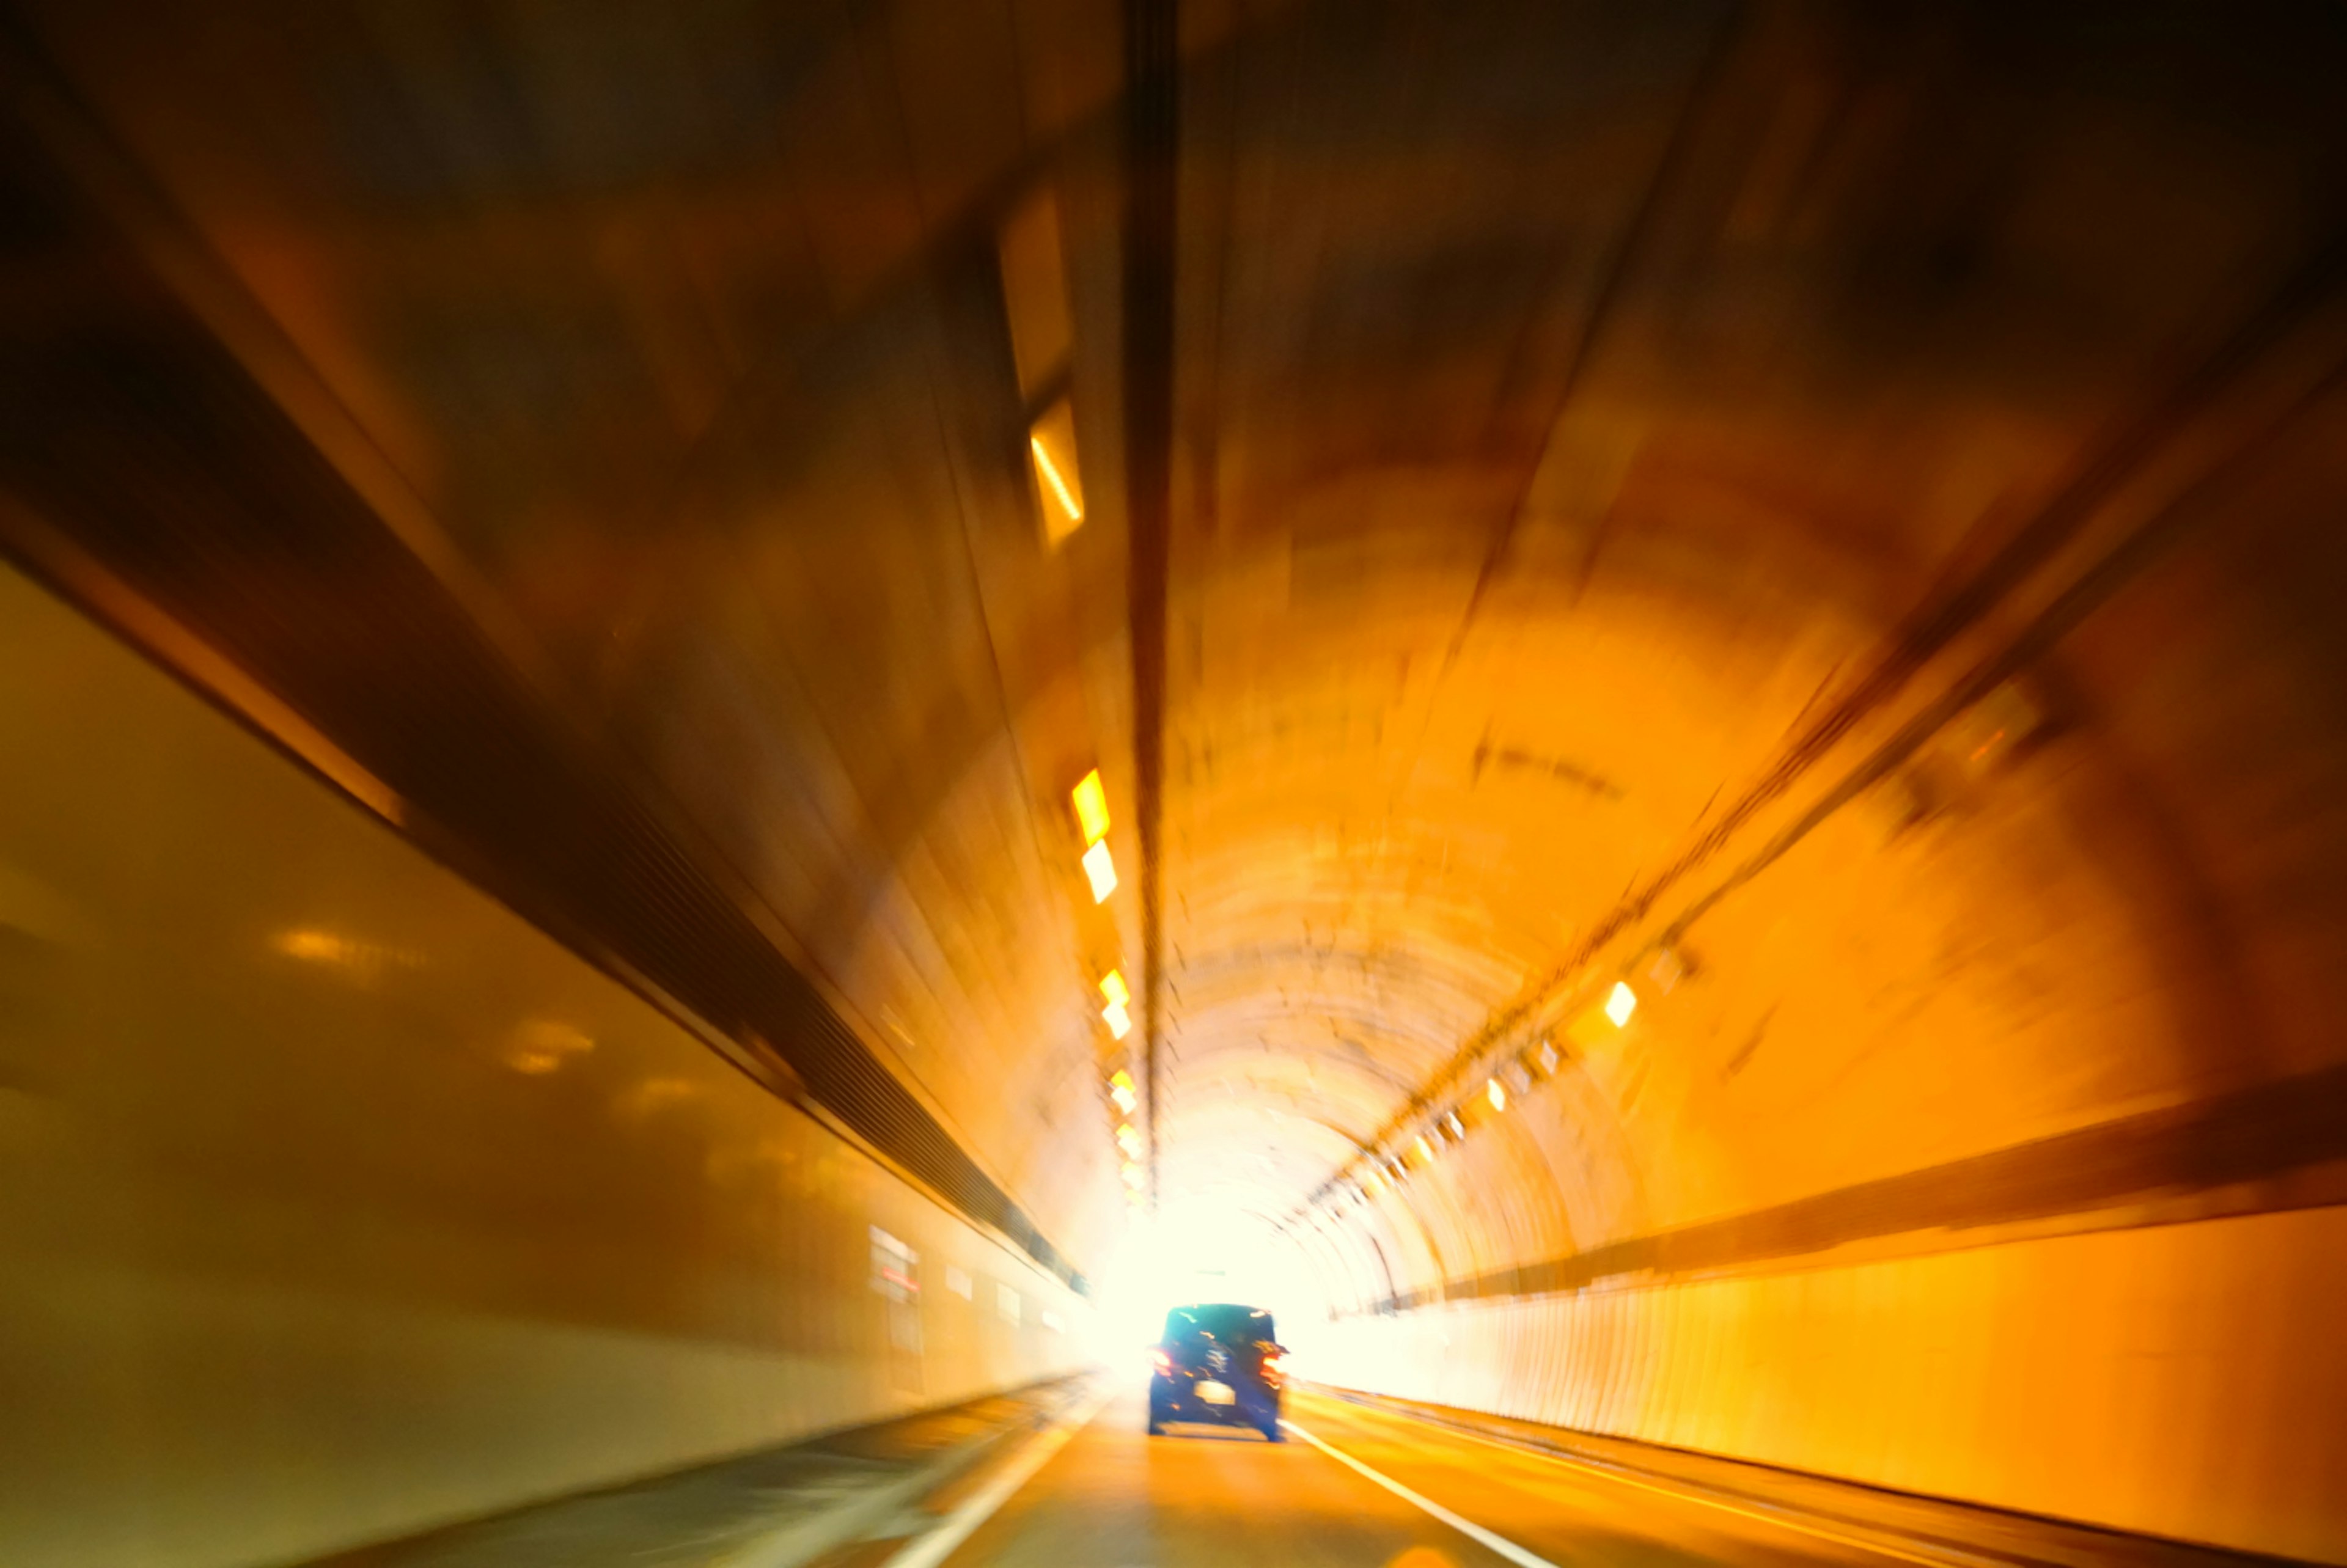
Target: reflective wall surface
341,1202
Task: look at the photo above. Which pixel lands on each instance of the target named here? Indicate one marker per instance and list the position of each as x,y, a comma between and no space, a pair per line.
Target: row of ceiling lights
1036,307
1089,799
1033,272
1509,1081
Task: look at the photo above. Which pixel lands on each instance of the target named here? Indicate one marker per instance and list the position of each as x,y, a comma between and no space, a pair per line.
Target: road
1201,1498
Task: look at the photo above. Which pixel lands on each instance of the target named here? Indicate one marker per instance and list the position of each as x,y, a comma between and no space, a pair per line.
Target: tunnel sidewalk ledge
780,1507
1911,1525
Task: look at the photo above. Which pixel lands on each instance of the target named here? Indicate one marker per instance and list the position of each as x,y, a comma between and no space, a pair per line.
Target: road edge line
1506,1548
935,1545
1853,1534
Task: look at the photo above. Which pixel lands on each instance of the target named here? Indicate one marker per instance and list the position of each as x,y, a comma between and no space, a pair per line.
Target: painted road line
1466,1527
930,1550
1759,1513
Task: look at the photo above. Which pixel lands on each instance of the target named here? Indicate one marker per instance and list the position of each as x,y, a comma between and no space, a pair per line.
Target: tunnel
731,727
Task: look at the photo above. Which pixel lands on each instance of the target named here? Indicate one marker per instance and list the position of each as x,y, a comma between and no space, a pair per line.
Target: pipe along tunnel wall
337,1203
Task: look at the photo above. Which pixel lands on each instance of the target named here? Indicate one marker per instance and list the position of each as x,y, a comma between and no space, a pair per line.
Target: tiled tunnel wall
2178,1380
338,1203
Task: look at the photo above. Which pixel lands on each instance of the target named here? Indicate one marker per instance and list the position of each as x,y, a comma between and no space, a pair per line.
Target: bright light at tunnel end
1203,1249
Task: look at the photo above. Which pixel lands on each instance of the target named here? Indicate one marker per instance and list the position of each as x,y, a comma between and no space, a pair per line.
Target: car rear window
1223,1325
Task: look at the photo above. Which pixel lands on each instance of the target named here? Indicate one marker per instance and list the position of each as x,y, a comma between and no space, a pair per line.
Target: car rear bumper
1172,1399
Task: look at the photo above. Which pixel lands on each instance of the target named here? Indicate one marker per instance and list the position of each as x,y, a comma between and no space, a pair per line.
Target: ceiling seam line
1152,43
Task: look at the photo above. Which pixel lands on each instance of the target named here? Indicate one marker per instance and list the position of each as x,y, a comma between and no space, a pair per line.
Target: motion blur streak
729,730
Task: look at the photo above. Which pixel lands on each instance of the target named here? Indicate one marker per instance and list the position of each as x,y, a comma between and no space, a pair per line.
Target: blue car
1218,1364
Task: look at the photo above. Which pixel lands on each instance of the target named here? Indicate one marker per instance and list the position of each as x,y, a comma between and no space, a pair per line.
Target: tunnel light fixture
1101,870
1542,1059
1495,1094
1620,1003
1072,508
1129,1141
1134,1176
1120,1022
1091,798
1058,487
1425,1150
1113,988
1120,1089
1457,1128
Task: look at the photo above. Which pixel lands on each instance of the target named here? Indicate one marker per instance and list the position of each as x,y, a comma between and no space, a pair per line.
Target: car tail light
1271,1365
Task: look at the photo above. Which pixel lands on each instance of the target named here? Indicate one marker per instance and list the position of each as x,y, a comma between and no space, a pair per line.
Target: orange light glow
1100,869
1090,799
1061,491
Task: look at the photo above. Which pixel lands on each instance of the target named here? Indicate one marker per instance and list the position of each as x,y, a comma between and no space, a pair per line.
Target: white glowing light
1100,869
1620,1003
1120,1022
1496,1095
1113,988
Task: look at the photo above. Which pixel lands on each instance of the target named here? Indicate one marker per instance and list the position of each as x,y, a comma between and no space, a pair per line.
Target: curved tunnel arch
1821,517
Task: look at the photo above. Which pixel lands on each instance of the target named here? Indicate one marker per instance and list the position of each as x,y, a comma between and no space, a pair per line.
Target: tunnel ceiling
1799,509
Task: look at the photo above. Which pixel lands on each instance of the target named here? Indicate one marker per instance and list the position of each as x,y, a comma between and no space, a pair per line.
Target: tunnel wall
2182,1379
337,1202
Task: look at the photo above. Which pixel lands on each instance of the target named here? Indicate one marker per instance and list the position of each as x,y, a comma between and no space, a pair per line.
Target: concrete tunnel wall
338,1203
1937,1156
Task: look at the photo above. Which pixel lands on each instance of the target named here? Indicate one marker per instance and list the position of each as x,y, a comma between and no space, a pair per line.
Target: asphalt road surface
1376,1491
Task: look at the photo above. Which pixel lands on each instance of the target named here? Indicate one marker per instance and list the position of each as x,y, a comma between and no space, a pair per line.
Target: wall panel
2182,1379
337,1202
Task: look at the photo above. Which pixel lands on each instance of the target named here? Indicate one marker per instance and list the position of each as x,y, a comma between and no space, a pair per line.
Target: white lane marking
1466,1527
928,1550
1761,1514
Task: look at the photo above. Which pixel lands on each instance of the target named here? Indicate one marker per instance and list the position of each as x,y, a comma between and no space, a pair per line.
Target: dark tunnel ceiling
1741,479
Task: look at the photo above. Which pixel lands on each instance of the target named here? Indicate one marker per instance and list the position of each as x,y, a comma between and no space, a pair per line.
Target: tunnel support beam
1152,136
